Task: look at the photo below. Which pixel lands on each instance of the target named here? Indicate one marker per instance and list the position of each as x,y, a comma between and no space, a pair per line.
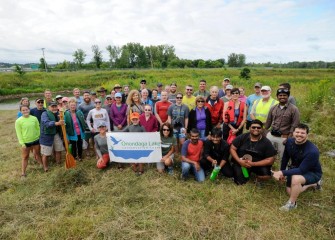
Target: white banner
134,147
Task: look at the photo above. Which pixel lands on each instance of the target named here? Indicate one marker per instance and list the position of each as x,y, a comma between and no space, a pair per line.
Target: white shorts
57,146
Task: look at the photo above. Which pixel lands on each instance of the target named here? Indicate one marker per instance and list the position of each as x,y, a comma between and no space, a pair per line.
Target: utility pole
45,62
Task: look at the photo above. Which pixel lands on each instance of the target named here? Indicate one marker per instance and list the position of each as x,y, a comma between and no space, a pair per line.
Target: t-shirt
258,150
216,151
250,101
101,146
161,109
27,129
37,113
189,101
98,116
192,151
134,128
86,108
178,114
167,143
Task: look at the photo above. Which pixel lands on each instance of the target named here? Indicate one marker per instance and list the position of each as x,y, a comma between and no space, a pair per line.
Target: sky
265,31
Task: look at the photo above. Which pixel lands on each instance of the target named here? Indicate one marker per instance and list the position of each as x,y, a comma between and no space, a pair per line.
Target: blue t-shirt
250,101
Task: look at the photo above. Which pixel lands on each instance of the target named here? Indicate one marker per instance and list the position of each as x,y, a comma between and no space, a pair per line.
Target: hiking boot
288,206
318,185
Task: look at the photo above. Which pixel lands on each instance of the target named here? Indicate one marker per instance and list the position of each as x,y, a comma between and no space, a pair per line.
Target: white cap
266,88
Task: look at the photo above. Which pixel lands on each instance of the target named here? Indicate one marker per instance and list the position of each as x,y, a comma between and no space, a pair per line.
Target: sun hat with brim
265,88
58,97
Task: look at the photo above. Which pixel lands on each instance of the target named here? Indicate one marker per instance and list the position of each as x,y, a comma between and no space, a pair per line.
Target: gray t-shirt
100,145
85,108
178,114
134,128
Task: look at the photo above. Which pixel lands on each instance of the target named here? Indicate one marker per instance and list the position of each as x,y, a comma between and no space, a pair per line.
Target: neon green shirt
27,129
190,102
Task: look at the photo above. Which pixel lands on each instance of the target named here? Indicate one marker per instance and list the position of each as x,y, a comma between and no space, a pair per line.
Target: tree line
135,55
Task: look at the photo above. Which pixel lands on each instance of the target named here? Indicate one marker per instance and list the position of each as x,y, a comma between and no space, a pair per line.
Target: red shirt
151,125
161,109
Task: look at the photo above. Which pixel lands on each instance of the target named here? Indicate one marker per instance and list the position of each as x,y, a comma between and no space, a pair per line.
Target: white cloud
276,31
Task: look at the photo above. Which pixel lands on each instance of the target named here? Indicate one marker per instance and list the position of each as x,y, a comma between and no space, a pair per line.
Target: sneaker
288,206
318,185
170,170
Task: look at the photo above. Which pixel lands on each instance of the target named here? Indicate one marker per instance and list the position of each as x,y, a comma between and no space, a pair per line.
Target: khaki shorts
161,165
57,146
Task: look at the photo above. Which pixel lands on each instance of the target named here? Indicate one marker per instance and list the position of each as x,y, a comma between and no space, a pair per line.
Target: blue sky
275,31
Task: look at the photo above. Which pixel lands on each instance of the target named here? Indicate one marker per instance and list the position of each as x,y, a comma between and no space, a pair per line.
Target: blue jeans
185,169
202,134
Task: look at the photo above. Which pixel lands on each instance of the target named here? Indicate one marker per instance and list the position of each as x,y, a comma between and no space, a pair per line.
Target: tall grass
86,203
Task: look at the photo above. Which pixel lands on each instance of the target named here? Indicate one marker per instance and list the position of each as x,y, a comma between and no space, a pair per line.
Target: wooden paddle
70,162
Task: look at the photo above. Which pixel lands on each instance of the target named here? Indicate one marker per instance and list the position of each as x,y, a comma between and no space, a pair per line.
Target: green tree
43,64
114,54
236,60
245,73
79,57
97,56
19,70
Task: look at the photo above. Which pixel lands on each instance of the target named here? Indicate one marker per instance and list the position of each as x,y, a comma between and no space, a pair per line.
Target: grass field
87,203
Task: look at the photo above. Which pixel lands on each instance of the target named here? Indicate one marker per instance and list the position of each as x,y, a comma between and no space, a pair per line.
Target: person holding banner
190,155
135,127
168,141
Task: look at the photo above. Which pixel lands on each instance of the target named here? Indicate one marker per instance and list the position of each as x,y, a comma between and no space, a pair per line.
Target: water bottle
245,172
70,148
215,173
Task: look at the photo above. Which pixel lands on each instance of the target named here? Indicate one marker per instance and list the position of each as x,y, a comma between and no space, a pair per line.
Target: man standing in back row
282,119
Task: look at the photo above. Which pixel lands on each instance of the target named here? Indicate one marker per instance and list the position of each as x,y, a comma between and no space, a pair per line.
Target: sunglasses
166,130
253,127
179,97
147,110
97,102
189,89
40,102
109,99
201,101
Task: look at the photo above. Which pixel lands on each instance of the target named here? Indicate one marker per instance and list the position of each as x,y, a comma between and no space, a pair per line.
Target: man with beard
172,92
282,120
87,104
253,152
261,107
216,153
304,169
189,99
50,138
215,106
190,155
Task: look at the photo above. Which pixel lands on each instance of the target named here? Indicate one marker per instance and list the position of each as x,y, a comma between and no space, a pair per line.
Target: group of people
205,127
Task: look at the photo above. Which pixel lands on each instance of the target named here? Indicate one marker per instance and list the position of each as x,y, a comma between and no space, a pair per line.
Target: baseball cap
257,84
58,97
65,99
101,124
229,87
134,115
118,95
39,99
108,96
226,79
53,103
266,88
159,85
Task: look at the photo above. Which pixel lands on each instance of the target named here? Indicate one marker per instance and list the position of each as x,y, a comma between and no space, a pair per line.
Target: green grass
86,203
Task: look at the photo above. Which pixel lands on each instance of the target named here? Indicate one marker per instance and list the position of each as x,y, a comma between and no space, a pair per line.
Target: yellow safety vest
261,108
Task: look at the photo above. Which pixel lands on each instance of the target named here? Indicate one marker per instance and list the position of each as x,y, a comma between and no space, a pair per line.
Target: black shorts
30,144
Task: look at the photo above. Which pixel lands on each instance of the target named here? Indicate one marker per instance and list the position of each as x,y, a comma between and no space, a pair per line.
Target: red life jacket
229,115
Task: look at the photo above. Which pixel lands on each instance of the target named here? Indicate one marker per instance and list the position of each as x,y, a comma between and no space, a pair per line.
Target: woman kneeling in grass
28,132
168,141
